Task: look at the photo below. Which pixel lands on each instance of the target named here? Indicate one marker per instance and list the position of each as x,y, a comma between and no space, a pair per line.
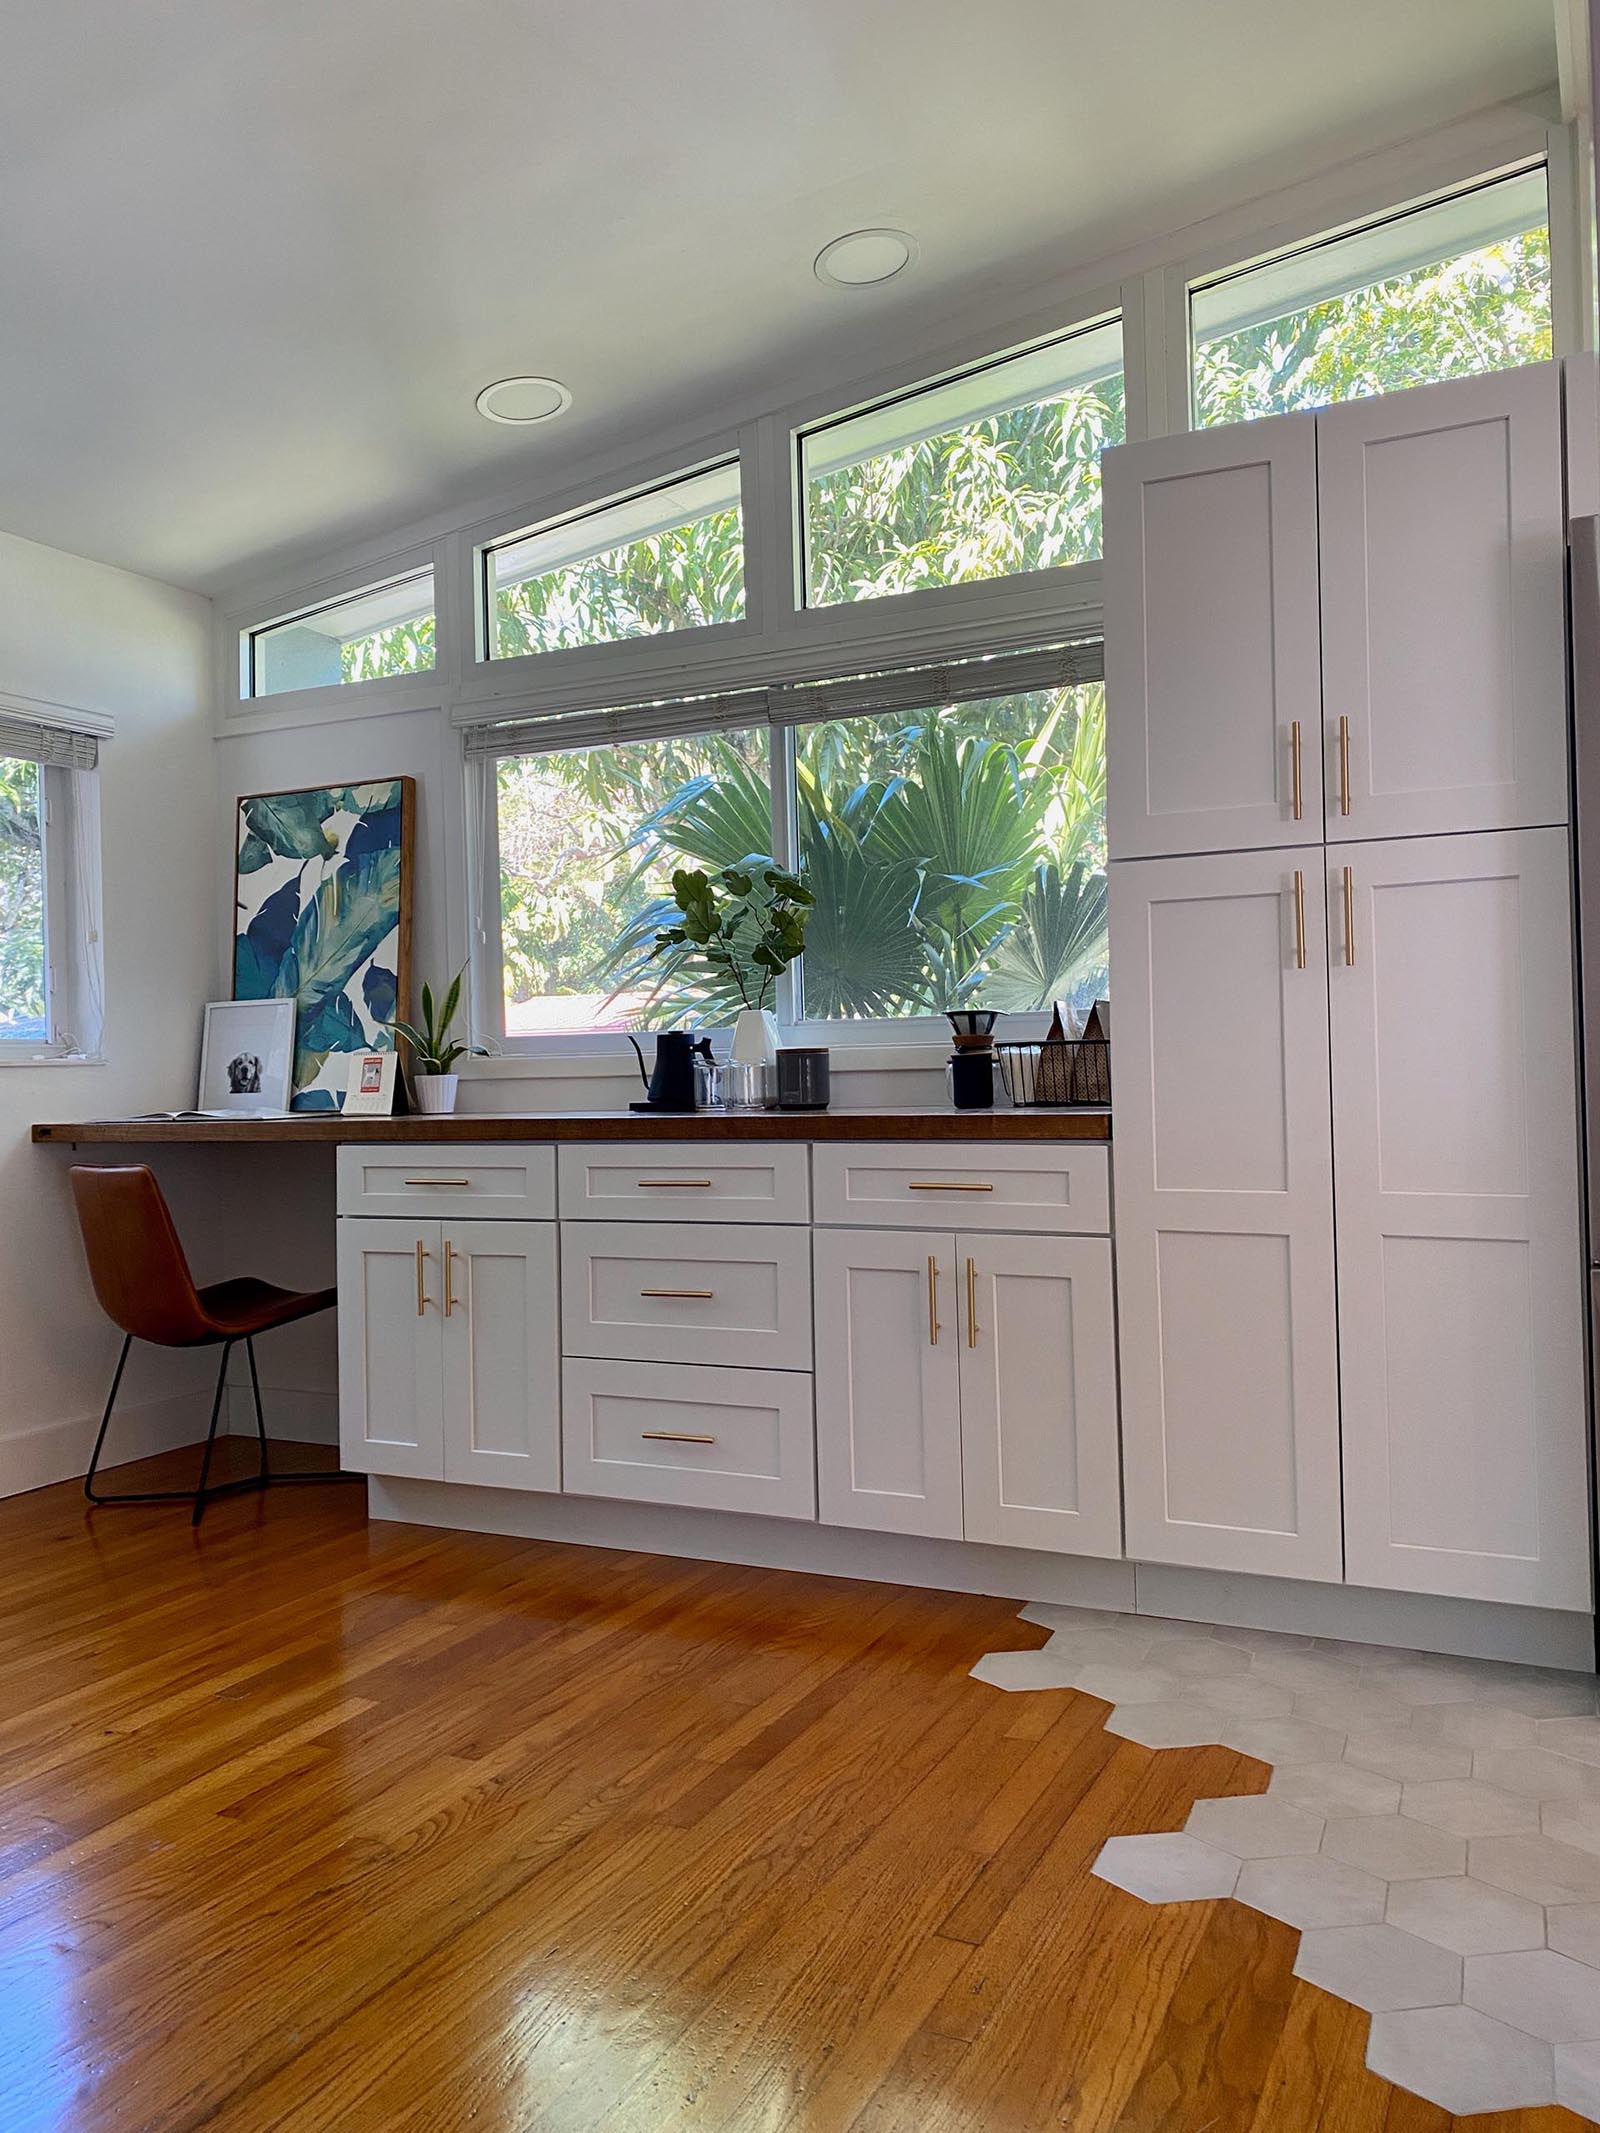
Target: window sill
18,1055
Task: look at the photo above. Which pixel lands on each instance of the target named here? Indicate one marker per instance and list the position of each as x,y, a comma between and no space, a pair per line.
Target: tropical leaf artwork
322,916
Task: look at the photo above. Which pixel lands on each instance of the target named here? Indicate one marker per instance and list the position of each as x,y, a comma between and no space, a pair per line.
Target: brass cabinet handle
972,1303
673,1436
673,1184
695,1295
1349,919
933,1301
1299,919
1294,769
458,1182
450,1256
946,1185
1344,765
422,1260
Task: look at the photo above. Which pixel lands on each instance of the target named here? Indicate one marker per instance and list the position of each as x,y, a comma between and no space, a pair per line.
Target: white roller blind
57,747
878,695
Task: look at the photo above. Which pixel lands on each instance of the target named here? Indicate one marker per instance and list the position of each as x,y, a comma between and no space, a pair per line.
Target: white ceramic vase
435,1092
755,1037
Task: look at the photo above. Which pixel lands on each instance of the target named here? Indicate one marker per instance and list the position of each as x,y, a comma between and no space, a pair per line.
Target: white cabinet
1026,1185
391,1365
966,1387
1225,1282
676,1433
1350,623
502,1369
888,1381
448,1358
692,1292
1443,562
1212,687
1039,1454
1460,1275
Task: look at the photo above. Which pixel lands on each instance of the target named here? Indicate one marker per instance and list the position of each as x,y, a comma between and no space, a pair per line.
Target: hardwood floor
311,1824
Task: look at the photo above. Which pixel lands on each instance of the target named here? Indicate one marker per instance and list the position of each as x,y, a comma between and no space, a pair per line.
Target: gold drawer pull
1294,763
673,1436
1344,765
451,1255
692,1295
457,1182
933,1301
673,1184
946,1185
972,1303
1349,919
1299,919
422,1260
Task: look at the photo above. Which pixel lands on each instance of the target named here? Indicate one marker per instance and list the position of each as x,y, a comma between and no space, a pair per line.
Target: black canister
803,1077
972,1080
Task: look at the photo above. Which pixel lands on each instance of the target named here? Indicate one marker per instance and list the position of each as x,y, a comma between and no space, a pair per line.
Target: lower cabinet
690,1434
966,1387
449,1357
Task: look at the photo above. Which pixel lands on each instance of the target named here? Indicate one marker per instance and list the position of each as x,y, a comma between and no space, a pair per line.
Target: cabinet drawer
676,1433
691,1292
685,1181
472,1179
1060,1186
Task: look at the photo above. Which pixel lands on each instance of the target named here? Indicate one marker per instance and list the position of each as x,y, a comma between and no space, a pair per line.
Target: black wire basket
1059,1073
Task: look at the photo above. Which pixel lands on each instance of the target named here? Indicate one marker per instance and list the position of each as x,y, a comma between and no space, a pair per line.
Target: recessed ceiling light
862,257
521,400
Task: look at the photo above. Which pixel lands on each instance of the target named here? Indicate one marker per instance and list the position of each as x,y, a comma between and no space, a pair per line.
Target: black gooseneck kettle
671,1086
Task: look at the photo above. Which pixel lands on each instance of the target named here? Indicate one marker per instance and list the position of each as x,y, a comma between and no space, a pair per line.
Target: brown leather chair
144,1285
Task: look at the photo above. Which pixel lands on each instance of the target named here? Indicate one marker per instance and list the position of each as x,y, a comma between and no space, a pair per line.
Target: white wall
78,633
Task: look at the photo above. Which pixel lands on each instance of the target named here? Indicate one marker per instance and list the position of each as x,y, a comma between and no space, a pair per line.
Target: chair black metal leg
211,1434
105,1423
261,1420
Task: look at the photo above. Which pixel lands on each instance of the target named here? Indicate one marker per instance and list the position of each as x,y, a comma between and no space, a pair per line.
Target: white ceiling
257,256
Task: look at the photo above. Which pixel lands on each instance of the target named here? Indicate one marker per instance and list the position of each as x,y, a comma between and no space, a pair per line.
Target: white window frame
74,965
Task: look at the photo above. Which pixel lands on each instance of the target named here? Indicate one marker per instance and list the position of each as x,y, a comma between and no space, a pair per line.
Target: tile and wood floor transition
316,1825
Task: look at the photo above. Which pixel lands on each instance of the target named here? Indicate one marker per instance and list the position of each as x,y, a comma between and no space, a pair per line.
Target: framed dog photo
247,1056
370,1089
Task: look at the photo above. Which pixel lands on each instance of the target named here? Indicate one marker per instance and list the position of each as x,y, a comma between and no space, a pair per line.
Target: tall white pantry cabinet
1348,1237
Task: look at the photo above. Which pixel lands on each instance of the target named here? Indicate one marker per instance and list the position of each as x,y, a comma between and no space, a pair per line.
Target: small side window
50,969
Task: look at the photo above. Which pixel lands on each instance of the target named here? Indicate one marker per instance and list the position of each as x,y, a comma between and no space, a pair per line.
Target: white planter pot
435,1092
755,1037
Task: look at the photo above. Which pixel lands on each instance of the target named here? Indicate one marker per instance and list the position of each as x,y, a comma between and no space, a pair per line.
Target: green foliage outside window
1015,491
683,578
22,991
403,648
1487,310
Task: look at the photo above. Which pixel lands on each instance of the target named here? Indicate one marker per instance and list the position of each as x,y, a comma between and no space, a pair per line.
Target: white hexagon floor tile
1431,1826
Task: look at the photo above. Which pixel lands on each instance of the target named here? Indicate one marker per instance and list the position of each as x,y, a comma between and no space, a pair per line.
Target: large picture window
955,849
671,558
994,472
1445,291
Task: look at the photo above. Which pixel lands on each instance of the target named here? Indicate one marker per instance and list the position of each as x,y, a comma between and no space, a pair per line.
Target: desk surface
331,1127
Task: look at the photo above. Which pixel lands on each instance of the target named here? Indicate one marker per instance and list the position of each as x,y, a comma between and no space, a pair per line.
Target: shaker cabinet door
1039,1457
1460,1268
1443,608
502,1354
888,1381
1213,691
1224,1214
391,1366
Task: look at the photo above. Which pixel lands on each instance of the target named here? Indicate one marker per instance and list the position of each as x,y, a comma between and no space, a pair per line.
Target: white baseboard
60,1451
1477,1629
293,1416
763,1543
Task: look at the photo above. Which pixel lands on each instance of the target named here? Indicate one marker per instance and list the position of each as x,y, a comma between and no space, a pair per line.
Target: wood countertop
316,1128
